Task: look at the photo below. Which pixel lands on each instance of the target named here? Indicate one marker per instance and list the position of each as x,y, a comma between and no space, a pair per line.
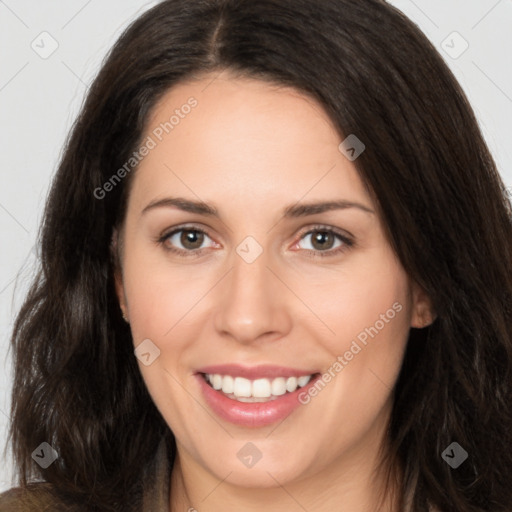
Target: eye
323,241
190,238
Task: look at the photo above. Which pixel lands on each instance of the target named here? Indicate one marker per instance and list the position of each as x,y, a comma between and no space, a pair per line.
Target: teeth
242,387
278,386
261,388
245,390
291,384
228,384
217,381
302,381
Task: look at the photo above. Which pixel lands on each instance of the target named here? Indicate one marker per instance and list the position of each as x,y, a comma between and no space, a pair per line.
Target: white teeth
246,390
216,381
261,388
242,387
302,381
291,384
279,386
228,384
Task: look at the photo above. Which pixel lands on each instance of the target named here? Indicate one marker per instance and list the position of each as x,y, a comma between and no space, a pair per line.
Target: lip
255,414
264,371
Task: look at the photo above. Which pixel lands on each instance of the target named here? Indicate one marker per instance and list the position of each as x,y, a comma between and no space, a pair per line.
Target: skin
251,148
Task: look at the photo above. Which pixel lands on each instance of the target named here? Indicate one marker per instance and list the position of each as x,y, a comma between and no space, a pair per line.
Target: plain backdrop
41,93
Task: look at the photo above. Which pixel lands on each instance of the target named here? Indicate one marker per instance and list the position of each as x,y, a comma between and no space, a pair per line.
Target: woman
182,349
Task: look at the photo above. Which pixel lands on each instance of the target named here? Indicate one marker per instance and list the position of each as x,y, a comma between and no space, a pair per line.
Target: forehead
230,137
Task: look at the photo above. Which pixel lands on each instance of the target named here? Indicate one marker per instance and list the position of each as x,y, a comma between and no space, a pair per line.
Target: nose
252,303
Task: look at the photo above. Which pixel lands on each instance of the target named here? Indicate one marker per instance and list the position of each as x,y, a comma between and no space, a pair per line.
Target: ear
115,254
423,313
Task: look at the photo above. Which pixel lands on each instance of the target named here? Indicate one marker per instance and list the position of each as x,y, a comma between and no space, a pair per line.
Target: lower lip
252,414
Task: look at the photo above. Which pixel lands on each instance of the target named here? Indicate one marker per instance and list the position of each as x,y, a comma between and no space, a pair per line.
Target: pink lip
256,414
266,371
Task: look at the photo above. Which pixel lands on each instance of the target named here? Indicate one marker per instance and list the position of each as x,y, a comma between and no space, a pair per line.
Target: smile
253,396
259,390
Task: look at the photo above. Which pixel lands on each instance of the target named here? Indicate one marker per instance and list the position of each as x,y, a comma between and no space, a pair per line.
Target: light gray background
40,97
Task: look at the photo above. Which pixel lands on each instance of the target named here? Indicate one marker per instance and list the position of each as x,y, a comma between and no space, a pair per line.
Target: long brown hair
448,218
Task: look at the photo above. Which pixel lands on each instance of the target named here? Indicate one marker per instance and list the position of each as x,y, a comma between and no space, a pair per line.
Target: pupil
191,237
321,237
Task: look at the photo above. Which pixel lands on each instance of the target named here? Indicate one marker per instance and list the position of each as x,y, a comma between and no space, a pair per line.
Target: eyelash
347,242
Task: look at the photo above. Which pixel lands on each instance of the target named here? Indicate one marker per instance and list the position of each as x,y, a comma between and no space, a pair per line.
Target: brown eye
326,241
186,241
322,240
191,239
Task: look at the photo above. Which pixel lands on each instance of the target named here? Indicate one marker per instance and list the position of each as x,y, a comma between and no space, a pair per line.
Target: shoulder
36,497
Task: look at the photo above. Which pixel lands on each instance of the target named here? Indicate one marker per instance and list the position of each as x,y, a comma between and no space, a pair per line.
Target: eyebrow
292,211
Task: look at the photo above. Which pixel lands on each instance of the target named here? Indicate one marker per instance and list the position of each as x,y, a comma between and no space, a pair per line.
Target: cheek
371,317
159,295
160,300
369,300
368,308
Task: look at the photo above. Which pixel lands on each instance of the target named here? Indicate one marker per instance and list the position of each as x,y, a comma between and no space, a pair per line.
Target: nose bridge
253,302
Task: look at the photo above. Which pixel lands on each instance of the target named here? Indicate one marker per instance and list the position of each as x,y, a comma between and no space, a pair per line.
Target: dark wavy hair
445,209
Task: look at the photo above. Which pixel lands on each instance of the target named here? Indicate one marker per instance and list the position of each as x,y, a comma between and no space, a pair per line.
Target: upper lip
263,371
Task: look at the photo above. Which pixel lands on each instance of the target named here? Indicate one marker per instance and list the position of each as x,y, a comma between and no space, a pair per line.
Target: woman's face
271,291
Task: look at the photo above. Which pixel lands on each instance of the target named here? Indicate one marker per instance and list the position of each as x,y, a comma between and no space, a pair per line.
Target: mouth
256,396
257,390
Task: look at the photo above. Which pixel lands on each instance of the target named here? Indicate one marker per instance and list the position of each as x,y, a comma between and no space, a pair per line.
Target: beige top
39,498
